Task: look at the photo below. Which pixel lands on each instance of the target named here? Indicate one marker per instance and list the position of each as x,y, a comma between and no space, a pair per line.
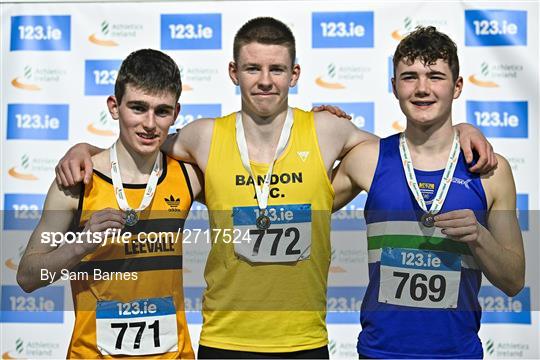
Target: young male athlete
433,227
127,289
266,174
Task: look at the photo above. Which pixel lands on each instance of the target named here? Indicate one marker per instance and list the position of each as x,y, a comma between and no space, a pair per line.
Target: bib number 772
278,233
288,239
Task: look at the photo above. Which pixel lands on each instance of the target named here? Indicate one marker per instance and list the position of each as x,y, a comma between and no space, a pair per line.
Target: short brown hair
149,70
428,45
265,30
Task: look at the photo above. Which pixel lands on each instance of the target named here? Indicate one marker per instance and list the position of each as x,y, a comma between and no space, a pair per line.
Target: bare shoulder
199,126
364,155
328,123
361,162
499,184
63,198
196,134
102,162
499,173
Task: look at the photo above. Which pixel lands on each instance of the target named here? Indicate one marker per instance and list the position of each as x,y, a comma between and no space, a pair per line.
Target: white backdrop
59,62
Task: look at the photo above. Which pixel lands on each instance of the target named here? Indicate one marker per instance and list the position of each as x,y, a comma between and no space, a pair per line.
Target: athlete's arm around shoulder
355,172
41,254
337,136
192,143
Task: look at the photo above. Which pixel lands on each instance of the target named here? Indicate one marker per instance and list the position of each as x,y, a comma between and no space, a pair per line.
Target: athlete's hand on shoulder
75,166
99,222
460,225
471,139
333,110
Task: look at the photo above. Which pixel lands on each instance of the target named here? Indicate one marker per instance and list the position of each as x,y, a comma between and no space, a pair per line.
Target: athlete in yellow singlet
127,289
282,285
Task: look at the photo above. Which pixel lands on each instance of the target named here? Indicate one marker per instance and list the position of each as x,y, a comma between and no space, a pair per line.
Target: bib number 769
418,290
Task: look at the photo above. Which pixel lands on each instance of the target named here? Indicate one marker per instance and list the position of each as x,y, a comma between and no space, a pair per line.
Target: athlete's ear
458,87
295,75
233,72
113,105
176,112
394,87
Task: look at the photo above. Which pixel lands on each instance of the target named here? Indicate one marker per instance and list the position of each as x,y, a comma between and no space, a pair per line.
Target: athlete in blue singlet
433,227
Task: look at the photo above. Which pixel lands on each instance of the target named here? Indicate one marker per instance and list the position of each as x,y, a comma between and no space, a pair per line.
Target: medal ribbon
119,189
445,181
262,193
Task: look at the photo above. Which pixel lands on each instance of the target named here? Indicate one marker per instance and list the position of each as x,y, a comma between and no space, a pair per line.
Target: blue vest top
411,313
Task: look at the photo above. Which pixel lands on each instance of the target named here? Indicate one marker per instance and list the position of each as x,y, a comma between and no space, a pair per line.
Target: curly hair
428,45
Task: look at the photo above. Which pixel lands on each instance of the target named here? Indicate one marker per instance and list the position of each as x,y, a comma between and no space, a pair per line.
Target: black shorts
206,352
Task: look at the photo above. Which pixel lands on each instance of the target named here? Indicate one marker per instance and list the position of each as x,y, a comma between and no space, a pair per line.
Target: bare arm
76,165
192,143
57,216
470,139
355,173
337,136
196,180
498,249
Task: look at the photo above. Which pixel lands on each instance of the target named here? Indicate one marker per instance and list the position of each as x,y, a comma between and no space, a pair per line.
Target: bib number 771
136,328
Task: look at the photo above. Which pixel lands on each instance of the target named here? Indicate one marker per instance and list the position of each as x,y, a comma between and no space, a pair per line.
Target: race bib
419,278
288,238
138,327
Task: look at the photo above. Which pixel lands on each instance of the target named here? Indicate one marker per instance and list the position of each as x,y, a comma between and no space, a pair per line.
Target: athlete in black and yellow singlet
142,312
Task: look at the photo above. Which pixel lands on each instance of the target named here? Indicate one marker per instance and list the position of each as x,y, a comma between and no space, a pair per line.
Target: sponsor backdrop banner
59,62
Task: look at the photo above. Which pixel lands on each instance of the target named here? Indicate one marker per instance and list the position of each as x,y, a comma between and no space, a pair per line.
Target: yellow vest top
270,307
157,267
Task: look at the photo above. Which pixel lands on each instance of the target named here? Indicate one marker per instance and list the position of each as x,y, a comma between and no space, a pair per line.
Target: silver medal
263,222
131,217
428,219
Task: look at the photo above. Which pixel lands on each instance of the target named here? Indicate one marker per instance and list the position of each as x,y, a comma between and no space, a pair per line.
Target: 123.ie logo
190,31
40,33
495,27
342,29
502,119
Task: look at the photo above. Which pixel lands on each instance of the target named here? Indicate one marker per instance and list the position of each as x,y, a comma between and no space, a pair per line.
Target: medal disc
131,218
428,219
263,222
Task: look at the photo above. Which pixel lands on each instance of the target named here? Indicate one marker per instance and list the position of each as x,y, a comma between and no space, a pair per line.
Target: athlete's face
144,118
426,92
264,74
